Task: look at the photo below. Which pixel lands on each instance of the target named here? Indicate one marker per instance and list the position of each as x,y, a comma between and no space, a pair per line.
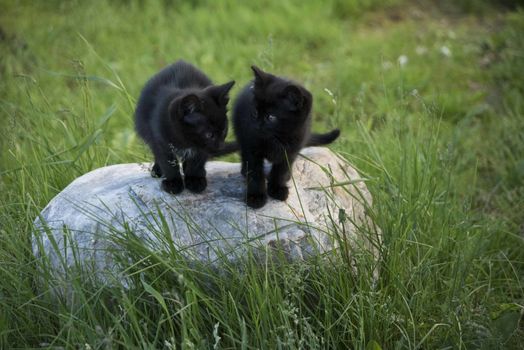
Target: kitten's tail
323,139
229,147
314,140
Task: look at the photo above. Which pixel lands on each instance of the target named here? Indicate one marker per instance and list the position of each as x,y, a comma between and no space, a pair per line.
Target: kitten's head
281,104
200,117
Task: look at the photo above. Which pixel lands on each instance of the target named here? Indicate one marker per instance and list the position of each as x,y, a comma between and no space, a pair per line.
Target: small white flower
414,92
445,51
421,50
402,60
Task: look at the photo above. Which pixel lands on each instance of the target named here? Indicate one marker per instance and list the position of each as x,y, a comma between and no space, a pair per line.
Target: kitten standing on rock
272,120
181,115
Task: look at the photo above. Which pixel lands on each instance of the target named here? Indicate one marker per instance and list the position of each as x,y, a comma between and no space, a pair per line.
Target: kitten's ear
220,92
261,77
293,98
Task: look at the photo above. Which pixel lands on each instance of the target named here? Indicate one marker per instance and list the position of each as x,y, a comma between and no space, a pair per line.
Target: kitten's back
179,75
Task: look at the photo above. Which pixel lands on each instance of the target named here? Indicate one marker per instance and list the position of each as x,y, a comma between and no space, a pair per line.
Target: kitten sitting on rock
181,115
272,120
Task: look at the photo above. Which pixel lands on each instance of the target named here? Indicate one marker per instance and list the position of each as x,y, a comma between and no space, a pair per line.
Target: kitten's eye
271,118
208,135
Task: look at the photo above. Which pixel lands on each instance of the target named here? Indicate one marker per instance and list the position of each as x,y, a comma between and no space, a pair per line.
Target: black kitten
181,115
272,121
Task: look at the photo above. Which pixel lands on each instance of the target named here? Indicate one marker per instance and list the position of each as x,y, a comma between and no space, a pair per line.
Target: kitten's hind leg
155,171
256,181
170,169
278,176
195,173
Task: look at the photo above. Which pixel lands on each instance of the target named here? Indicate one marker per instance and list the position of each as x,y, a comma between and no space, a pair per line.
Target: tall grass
438,138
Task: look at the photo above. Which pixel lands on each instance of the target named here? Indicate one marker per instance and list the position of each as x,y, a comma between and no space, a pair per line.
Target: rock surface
203,226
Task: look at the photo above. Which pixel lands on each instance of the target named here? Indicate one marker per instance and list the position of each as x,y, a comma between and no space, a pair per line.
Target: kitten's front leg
155,171
253,166
170,169
278,177
195,173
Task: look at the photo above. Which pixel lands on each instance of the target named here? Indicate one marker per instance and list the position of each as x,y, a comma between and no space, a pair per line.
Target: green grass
441,140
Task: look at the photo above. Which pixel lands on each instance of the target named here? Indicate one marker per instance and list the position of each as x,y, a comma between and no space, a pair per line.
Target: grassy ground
441,138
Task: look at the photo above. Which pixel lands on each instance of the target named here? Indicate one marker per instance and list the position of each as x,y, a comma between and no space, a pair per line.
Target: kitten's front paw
196,184
155,171
256,200
278,192
173,186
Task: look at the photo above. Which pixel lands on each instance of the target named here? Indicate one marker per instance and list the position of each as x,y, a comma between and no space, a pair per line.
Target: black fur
272,120
181,115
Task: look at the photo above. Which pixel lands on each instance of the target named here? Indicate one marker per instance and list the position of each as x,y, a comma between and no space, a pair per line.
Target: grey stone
204,227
